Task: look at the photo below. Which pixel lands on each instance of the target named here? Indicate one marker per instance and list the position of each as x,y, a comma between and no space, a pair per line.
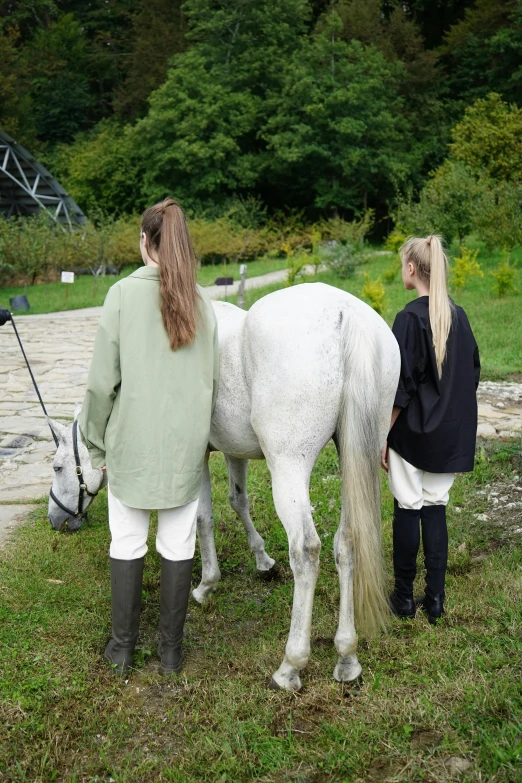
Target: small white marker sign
242,269
67,277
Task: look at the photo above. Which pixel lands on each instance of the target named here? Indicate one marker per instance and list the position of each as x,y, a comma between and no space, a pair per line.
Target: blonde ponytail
431,263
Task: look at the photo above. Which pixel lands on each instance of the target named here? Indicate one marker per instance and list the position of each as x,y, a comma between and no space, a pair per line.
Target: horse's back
295,346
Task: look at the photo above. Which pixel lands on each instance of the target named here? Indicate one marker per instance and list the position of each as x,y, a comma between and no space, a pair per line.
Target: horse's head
75,481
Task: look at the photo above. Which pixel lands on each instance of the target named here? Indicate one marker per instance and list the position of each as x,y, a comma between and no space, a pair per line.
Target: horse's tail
359,442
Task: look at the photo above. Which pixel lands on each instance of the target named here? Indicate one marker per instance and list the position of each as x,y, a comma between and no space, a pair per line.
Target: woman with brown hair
146,420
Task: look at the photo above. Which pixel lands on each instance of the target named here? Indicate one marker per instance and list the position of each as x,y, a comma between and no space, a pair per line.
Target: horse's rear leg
348,667
237,474
290,481
210,574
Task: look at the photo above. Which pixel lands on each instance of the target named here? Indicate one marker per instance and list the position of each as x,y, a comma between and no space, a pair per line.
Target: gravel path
59,347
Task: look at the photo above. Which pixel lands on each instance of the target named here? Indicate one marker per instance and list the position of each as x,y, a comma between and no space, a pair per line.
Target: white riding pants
176,538
414,488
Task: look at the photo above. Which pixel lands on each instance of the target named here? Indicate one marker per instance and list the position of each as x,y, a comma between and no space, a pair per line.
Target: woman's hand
384,457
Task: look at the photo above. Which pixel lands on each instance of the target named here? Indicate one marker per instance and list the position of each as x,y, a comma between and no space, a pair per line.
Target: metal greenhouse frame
26,187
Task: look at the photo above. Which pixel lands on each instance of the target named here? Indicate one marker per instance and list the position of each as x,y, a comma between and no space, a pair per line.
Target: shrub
296,268
465,267
375,292
391,272
395,240
342,259
505,277
28,247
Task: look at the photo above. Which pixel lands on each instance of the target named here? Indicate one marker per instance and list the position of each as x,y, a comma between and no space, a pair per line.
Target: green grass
496,323
428,694
87,291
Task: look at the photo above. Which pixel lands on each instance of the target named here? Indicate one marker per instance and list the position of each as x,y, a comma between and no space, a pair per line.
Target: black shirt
437,428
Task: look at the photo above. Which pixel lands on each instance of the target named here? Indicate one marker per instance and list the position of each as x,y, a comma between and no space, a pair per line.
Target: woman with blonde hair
434,423
146,420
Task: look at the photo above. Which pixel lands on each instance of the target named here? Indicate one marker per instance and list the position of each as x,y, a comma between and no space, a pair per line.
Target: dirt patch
426,739
389,769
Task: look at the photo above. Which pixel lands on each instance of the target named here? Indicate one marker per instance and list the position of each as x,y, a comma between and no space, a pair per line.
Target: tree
336,130
15,103
447,204
433,17
489,139
396,34
203,131
60,91
158,33
103,170
483,51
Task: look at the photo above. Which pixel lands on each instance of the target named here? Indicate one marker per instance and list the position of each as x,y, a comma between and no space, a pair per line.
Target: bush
375,292
395,240
465,267
505,277
342,259
32,248
391,272
29,247
296,268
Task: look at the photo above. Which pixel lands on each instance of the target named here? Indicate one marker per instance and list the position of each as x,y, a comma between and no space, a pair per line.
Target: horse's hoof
353,687
200,597
273,686
270,574
348,672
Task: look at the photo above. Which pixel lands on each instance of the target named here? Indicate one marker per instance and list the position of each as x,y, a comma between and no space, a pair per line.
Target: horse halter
80,513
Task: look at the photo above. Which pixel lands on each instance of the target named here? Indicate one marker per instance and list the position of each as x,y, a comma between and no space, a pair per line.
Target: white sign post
67,277
241,290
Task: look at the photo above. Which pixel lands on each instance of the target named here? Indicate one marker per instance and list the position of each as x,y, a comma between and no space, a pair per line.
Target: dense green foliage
326,107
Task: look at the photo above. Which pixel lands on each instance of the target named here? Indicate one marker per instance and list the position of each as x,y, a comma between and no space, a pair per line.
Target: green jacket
147,409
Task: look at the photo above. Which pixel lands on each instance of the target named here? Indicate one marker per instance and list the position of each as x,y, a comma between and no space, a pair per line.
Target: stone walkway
59,347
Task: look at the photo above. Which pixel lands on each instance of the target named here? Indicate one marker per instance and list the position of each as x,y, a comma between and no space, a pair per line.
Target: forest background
320,108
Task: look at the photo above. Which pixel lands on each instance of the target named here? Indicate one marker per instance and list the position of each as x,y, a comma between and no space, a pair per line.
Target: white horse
302,366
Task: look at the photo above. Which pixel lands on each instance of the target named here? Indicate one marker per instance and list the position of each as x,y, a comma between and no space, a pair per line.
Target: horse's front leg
290,481
238,496
348,667
210,573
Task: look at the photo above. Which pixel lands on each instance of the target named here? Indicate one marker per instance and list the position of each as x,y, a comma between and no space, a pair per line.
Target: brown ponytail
167,234
430,261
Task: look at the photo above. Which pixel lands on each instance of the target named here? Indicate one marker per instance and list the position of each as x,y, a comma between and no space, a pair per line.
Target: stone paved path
59,347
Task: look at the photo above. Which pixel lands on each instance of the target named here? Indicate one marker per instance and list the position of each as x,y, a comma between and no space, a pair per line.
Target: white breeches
414,488
176,538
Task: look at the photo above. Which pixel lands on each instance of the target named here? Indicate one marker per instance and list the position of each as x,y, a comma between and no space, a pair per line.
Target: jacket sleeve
404,330
216,364
103,381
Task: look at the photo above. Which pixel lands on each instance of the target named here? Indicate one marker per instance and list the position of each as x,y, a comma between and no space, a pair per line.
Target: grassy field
429,694
497,323
87,291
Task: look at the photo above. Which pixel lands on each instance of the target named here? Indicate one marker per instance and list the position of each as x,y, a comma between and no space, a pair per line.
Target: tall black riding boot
126,581
435,544
174,597
406,541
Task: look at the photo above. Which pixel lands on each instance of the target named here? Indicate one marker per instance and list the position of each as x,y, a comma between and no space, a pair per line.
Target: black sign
19,303
224,281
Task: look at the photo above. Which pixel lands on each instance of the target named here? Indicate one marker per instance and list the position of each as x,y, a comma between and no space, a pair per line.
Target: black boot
126,580
175,592
435,544
406,541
